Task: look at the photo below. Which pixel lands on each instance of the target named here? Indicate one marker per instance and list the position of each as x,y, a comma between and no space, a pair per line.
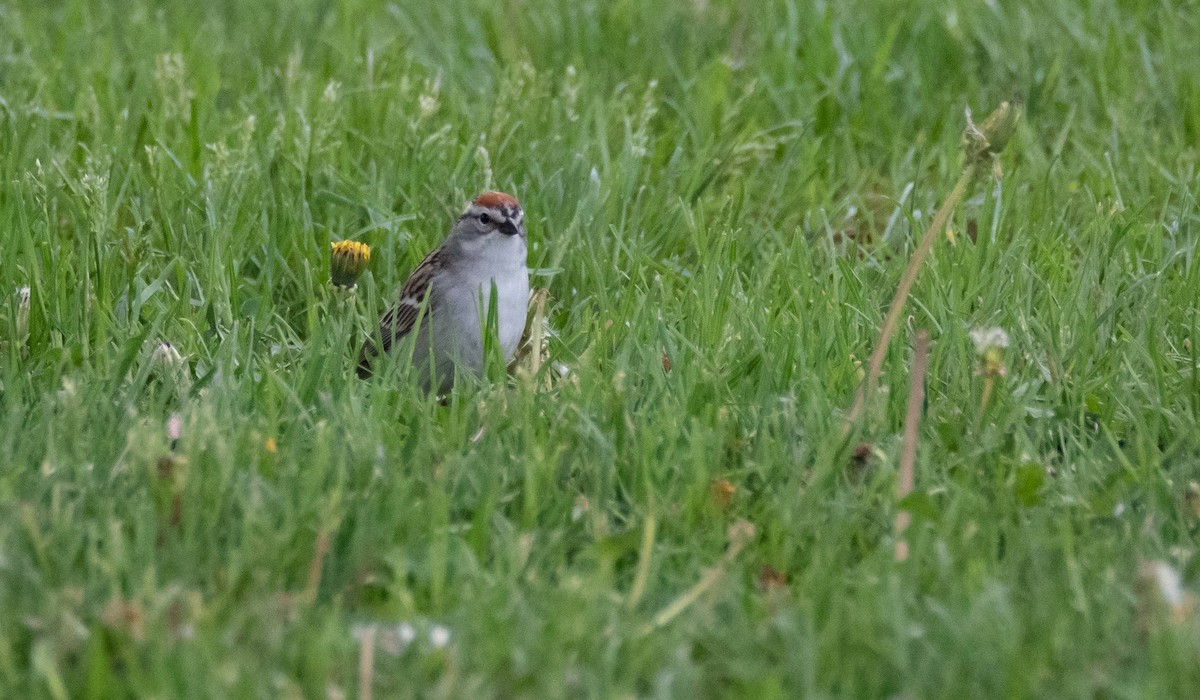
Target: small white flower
23,295
174,427
406,633
439,636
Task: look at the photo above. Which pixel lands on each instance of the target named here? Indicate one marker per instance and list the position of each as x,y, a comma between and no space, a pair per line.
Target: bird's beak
508,228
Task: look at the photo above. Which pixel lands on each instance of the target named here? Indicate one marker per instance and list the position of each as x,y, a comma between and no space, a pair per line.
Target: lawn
661,501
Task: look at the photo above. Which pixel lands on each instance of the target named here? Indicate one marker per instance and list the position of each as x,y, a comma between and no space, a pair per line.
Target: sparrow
445,300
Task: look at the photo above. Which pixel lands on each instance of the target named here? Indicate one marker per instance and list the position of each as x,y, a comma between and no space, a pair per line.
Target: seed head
986,140
990,344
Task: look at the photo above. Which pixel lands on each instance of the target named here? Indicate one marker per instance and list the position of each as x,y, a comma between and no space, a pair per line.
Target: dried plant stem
366,663
643,568
892,320
539,332
320,550
740,534
533,338
912,425
989,382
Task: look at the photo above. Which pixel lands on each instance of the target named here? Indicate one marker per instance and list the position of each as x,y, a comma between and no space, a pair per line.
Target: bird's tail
365,356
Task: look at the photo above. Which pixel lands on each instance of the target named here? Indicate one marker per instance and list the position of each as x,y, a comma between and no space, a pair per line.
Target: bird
482,260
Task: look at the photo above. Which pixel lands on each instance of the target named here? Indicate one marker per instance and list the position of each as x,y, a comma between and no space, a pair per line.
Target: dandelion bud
168,366
348,260
988,139
165,356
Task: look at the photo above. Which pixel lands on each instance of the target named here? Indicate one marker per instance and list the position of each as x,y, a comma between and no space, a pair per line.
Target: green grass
736,188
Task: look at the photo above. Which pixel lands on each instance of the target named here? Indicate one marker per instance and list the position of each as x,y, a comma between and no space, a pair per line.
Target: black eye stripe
495,216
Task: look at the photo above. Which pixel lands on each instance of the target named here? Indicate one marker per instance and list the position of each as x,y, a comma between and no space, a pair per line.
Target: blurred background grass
735,187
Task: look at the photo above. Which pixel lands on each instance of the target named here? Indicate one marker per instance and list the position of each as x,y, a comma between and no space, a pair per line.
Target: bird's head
493,213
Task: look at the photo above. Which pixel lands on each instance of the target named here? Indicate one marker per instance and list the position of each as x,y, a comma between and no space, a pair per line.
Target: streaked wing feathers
400,320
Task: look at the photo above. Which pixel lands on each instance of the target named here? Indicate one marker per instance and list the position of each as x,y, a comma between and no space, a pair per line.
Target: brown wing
400,320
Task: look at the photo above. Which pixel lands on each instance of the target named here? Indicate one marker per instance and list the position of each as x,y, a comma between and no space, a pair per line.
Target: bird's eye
485,219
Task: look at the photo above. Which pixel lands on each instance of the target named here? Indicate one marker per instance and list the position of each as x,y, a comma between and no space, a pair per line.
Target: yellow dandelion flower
348,260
